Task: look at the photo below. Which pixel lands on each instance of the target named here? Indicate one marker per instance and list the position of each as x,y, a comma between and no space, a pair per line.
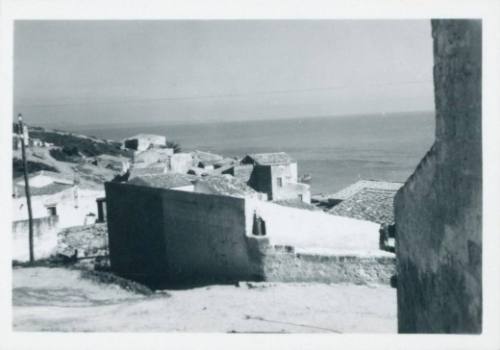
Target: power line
200,97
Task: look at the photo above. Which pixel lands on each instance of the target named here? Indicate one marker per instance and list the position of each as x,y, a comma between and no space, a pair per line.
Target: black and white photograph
250,176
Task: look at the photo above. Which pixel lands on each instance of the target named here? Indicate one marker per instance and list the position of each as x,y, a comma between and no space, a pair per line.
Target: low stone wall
285,265
277,263
44,237
88,241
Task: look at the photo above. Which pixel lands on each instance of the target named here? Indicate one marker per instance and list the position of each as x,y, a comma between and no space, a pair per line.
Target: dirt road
59,299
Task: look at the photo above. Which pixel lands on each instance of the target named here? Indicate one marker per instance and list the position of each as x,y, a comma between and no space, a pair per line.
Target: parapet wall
307,229
44,238
284,264
438,211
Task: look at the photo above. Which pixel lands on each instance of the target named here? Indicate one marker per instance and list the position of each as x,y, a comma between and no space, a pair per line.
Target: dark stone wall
438,211
205,237
174,238
135,232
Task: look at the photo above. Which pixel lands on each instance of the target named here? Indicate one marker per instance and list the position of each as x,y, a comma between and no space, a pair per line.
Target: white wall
181,162
148,157
44,238
71,210
313,229
293,172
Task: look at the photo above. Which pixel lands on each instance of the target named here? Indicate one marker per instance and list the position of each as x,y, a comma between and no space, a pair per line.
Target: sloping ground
57,299
90,175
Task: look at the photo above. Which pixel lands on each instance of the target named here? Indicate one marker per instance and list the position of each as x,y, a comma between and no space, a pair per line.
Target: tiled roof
376,205
148,137
197,171
297,203
224,166
209,162
226,185
42,191
171,180
365,184
160,152
277,158
202,156
150,170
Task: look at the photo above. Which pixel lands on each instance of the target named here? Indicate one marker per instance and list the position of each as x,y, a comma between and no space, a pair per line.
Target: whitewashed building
57,202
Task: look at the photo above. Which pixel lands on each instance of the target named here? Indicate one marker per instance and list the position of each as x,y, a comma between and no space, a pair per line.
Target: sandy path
56,299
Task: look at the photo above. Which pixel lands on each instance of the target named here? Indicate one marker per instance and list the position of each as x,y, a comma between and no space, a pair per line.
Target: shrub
65,155
172,144
33,167
85,146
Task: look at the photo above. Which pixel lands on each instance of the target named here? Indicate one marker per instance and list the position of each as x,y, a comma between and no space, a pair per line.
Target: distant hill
89,159
74,145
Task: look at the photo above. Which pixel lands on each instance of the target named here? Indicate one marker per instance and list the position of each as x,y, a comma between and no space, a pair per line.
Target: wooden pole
26,187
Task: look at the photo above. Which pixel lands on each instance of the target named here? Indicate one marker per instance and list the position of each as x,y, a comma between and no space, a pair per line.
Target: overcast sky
104,72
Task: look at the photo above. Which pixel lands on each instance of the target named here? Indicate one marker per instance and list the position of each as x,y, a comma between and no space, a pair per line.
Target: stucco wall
152,156
313,229
72,205
180,162
44,238
294,191
264,178
168,237
438,211
288,174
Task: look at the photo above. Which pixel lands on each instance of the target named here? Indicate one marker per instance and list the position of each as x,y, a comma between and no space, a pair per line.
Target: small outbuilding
142,142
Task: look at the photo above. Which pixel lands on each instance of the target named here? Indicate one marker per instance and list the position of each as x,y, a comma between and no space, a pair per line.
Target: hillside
75,144
91,160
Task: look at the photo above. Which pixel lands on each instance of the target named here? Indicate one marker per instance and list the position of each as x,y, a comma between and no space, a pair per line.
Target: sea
335,151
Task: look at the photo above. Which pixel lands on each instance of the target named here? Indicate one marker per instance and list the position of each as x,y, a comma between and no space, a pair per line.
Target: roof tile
276,158
376,205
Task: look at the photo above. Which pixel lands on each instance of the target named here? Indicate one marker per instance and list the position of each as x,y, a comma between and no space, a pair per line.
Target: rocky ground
65,299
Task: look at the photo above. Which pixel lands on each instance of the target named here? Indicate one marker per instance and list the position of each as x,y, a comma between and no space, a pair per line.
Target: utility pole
26,185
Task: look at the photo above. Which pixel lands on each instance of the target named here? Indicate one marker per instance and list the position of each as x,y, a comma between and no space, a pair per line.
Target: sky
110,72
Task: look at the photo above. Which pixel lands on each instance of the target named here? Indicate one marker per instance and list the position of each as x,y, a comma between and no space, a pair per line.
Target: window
280,181
301,198
52,210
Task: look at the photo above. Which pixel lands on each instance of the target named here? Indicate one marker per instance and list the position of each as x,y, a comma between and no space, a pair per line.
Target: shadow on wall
175,239
438,211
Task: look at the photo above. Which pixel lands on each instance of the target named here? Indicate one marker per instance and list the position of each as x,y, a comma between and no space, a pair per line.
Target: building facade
142,142
276,175
57,202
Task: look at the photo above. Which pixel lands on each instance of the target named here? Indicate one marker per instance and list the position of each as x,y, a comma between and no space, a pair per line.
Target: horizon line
218,121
